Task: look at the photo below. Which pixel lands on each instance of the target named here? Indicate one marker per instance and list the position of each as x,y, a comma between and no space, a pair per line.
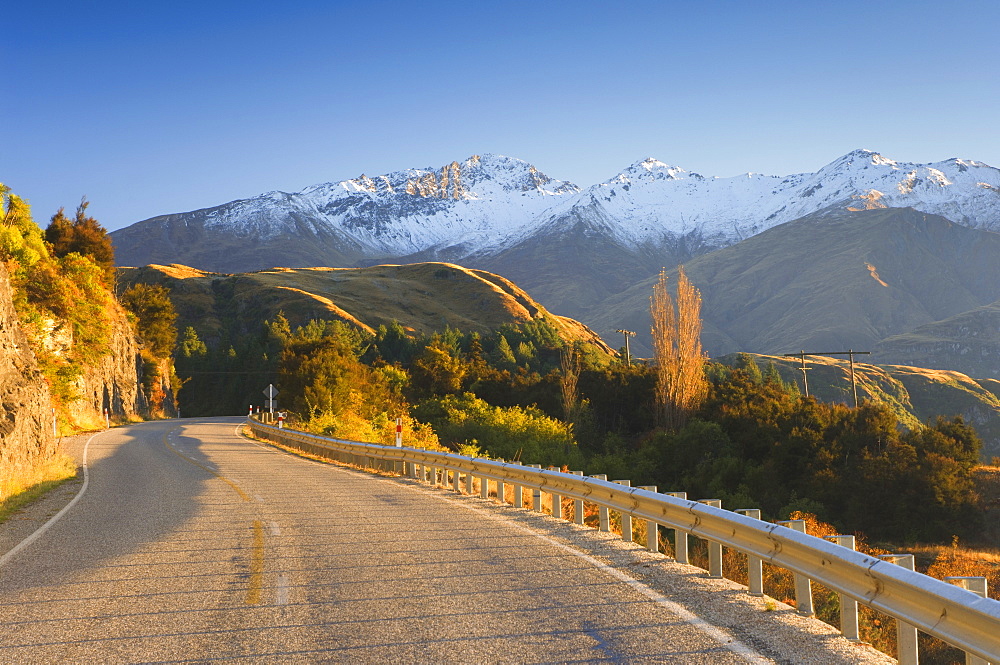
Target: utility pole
628,354
802,368
849,353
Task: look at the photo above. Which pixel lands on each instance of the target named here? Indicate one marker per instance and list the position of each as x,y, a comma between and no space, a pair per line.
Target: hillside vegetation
424,297
915,395
235,327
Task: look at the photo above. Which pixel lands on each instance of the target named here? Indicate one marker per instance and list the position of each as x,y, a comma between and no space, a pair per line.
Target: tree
568,380
83,235
436,371
155,313
681,384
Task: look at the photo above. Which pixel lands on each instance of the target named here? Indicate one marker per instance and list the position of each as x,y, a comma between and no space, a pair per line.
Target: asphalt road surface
191,543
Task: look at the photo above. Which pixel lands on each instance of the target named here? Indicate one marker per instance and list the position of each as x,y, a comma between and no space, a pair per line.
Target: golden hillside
423,297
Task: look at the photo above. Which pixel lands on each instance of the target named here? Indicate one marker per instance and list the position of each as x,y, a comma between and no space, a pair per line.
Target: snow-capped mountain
653,202
489,204
473,204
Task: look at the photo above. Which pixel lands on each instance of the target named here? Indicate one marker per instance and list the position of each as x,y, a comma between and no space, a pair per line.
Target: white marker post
107,419
399,432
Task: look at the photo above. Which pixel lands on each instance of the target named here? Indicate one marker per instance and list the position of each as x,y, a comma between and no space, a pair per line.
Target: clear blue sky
149,108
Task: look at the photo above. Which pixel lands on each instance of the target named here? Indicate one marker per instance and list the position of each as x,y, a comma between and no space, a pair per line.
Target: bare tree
571,361
681,385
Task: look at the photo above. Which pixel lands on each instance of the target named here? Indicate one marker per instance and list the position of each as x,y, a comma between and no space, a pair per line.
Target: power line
849,353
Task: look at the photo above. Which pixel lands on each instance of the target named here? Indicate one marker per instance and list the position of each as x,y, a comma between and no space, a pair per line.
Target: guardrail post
518,492
755,565
456,481
536,493
652,528
556,500
626,517
978,586
714,548
602,511
484,487
803,585
501,489
468,482
906,635
680,537
577,504
848,606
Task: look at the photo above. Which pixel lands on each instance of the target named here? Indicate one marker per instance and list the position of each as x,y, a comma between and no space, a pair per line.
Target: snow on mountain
490,203
472,204
653,202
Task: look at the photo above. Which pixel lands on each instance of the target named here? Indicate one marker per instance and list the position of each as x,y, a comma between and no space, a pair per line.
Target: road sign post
270,393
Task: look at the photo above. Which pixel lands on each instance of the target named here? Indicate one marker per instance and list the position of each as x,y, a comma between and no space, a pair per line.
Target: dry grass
423,297
17,492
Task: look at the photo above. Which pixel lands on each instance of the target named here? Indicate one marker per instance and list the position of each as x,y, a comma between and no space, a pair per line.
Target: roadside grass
16,493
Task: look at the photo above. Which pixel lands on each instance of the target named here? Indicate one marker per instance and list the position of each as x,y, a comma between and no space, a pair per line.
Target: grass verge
17,493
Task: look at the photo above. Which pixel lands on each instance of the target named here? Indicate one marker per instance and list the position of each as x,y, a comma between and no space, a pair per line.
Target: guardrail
950,612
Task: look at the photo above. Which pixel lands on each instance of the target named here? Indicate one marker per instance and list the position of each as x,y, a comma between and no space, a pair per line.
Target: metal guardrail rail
946,611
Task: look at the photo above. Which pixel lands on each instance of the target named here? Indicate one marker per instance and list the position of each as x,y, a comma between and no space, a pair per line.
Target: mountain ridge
490,203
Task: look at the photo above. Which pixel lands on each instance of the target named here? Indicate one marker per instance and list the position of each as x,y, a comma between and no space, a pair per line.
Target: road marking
55,518
274,529
256,565
237,488
283,590
722,637
719,635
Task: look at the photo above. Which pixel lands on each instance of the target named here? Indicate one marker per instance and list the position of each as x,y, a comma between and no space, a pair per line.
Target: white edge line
55,518
719,635
725,639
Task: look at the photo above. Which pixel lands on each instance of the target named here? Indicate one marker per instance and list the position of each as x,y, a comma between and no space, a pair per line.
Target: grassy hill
916,394
423,297
828,282
968,342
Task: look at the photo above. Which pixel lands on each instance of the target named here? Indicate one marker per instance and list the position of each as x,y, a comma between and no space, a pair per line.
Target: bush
513,433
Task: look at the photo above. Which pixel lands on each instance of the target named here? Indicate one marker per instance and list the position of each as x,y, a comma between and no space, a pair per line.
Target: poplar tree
681,384
570,361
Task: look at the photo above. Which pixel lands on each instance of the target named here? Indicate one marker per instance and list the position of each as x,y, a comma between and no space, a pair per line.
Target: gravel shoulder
31,517
772,628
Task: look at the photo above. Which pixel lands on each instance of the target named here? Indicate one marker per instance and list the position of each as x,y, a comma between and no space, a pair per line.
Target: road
192,543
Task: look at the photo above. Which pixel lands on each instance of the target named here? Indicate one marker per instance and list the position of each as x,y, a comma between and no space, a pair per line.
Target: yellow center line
256,584
237,488
256,565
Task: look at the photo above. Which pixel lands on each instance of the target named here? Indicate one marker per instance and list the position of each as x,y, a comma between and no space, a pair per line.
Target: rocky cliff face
25,414
114,382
